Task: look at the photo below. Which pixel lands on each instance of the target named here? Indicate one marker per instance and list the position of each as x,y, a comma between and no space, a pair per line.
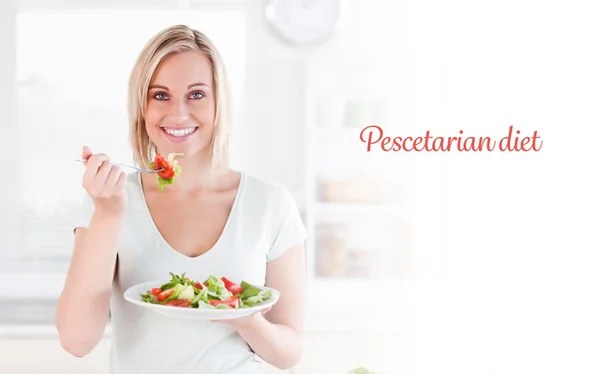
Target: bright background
417,262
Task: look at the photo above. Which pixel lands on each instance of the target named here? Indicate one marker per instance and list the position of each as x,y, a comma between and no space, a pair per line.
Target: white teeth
180,132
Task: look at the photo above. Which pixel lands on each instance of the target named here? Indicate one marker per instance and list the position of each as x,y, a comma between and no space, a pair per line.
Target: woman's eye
160,96
197,95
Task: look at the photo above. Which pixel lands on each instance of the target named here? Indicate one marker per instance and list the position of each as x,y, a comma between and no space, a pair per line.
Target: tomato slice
161,163
179,303
155,291
234,288
234,302
165,294
199,285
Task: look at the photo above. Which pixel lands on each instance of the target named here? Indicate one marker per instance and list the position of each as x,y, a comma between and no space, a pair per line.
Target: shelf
338,168
355,283
358,208
340,292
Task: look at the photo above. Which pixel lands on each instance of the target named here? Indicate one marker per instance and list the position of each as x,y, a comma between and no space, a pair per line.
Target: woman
211,221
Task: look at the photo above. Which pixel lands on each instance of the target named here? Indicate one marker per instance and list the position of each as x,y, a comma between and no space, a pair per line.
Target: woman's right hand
105,183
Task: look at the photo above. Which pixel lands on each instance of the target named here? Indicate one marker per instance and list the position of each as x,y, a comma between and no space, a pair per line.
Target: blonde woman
212,220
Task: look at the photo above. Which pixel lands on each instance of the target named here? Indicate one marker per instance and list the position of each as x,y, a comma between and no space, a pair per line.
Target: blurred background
417,262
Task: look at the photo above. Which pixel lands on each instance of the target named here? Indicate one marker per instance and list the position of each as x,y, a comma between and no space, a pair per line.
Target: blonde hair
176,39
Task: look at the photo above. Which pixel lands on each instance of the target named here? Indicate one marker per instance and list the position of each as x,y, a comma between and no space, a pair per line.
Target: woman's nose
179,110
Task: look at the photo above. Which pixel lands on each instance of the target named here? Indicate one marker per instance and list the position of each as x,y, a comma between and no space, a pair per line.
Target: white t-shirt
264,222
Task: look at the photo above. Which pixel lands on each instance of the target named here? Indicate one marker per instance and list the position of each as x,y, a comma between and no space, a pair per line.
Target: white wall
8,115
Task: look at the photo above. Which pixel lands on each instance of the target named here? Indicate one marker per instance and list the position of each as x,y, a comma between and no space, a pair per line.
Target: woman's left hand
244,322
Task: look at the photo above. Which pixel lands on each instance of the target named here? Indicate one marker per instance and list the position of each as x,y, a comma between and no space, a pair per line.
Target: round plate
133,296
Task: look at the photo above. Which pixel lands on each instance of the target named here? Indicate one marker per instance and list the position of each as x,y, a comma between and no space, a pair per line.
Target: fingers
103,172
86,152
113,177
95,161
121,183
93,164
105,183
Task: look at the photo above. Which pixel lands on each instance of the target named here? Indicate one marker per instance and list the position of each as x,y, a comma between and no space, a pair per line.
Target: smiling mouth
179,132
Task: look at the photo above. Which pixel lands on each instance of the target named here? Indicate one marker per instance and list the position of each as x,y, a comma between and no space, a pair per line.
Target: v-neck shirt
264,223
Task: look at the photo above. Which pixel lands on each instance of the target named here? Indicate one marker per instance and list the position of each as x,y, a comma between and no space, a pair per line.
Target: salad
171,169
213,293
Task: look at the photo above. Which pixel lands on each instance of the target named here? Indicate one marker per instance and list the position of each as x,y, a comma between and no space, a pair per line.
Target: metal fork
129,166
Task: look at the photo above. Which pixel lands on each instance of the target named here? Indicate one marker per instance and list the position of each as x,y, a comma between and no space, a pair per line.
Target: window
72,74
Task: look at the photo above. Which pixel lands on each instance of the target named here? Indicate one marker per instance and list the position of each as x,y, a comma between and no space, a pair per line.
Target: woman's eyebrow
197,84
155,86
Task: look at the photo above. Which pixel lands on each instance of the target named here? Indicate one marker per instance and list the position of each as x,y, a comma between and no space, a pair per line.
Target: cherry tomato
232,287
233,302
161,163
179,303
165,294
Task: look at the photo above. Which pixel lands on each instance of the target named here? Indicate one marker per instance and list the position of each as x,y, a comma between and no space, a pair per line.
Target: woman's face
181,107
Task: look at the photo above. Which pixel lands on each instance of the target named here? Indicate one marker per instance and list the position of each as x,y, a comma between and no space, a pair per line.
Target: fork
129,166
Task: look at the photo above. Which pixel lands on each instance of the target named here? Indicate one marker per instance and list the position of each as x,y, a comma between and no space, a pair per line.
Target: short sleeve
85,212
289,230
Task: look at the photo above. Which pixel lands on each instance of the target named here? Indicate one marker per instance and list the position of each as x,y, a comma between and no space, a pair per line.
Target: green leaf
162,182
149,298
216,288
201,297
249,290
257,299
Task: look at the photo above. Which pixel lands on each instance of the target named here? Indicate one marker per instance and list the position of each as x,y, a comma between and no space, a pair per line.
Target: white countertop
326,319
48,331
44,331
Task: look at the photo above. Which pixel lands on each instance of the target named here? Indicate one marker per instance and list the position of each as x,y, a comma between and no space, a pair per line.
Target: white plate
133,295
